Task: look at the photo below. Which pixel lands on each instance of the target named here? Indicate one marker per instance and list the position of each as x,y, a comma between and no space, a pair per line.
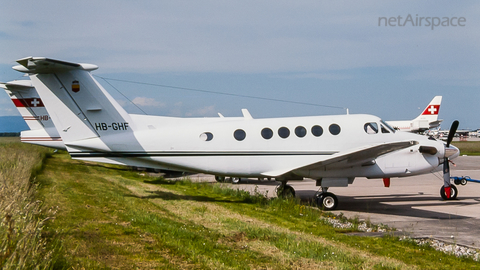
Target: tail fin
28,103
79,106
30,106
430,113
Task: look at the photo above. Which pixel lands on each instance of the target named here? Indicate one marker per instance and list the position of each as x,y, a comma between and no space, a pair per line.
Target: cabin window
206,136
317,131
267,133
371,128
283,132
334,129
239,134
300,131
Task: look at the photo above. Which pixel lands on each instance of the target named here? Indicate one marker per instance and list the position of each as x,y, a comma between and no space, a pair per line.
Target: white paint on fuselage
175,143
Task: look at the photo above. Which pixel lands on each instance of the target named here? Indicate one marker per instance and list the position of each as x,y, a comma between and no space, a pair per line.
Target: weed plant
22,215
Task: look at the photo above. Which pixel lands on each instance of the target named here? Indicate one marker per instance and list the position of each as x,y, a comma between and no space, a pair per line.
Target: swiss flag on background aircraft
28,102
431,110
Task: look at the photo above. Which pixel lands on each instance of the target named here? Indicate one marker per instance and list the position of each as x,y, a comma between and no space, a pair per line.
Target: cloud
204,111
147,102
311,36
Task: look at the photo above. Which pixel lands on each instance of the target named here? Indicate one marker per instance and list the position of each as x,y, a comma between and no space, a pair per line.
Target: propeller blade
451,133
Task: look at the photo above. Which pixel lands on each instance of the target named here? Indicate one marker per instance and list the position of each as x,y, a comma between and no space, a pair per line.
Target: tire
285,192
220,179
327,201
236,180
453,193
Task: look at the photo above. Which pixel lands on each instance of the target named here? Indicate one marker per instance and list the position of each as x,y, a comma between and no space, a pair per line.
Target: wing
355,157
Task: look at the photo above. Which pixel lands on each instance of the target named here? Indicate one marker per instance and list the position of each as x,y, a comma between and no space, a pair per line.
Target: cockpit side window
371,128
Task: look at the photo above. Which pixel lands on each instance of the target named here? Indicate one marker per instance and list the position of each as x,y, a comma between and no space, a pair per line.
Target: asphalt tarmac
412,205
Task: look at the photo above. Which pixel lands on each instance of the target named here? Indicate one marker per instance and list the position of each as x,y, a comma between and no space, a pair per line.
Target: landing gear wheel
453,193
285,192
236,180
327,201
220,179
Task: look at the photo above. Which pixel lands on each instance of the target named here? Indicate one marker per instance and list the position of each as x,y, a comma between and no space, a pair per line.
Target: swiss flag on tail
431,110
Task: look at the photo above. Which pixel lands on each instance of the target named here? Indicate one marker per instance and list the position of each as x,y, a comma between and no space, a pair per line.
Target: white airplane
331,149
426,120
30,105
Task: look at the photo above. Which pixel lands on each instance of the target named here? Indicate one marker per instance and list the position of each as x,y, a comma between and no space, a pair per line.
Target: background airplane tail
79,106
31,108
430,113
28,103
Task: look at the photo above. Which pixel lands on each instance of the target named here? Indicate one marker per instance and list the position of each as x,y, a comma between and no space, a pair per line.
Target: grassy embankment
109,217
22,215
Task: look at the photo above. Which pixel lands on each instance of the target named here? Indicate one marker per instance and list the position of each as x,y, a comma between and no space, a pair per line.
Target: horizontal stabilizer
46,65
17,85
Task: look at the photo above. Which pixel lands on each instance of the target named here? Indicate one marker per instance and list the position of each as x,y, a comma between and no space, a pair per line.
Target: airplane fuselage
259,147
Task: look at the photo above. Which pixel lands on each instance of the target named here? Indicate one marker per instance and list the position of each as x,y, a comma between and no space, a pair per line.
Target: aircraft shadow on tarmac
389,204
398,204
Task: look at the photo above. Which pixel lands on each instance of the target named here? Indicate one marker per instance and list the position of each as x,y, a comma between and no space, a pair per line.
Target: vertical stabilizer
430,113
28,103
31,108
79,106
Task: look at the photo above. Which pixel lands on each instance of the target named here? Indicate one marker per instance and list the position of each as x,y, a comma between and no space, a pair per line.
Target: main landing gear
222,179
324,200
285,191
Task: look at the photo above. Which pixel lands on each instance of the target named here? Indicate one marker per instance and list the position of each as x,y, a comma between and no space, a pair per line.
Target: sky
200,58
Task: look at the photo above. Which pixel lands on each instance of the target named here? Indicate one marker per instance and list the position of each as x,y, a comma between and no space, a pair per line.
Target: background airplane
426,120
29,104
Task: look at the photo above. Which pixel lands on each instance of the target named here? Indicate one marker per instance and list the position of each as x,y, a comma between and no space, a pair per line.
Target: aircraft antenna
123,95
223,93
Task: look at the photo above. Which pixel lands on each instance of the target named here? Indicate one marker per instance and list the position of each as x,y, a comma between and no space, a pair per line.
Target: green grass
107,217
468,148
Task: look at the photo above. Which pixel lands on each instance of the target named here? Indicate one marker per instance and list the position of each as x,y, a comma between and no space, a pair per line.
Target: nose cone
451,152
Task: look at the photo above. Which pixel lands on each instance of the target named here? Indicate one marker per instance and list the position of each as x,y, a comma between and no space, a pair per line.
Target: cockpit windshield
387,126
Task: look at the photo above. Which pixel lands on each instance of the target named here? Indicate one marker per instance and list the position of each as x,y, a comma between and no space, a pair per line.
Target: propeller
446,165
